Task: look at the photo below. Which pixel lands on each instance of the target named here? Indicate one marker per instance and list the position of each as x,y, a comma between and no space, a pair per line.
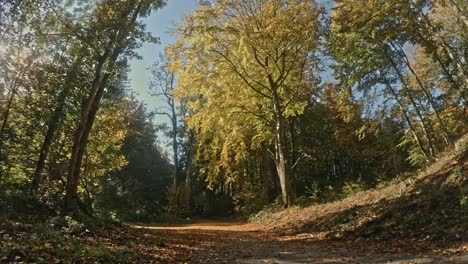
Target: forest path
214,241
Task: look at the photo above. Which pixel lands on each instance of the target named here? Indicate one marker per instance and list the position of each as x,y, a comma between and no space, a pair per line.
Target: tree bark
283,166
175,146
294,158
188,173
78,139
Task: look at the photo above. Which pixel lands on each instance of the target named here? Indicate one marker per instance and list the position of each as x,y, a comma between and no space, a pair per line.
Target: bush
304,201
251,200
177,202
329,194
20,202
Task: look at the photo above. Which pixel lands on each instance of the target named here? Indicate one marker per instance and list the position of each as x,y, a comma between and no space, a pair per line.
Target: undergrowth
430,205
54,240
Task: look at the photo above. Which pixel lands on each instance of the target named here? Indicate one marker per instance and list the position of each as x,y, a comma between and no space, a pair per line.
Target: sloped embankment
430,205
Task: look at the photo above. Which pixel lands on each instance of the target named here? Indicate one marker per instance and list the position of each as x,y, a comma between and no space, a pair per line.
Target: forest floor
210,241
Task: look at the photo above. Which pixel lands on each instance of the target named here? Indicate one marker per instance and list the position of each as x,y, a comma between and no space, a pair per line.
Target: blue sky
159,24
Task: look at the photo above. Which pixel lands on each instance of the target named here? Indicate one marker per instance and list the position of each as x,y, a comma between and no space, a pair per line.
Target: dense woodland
268,101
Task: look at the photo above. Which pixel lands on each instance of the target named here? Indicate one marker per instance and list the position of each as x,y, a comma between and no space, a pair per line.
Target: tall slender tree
163,85
117,21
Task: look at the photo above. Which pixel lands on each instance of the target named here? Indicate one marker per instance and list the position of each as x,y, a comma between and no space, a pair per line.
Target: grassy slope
430,205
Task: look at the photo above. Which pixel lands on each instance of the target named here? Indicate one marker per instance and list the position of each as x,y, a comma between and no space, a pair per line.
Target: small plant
72,226
329,194
464,197
353,187
313,191
416,157
456,178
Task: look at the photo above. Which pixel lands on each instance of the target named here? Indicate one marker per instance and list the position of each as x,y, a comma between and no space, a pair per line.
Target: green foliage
329,194
304,201
430,210
312,191
375,60
456,177
415,155
63,105
251,200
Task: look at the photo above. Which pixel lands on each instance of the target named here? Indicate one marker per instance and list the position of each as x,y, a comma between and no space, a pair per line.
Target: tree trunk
456,86
90,108
407,118
6,116
281,155
294,158
174,135
79,145
78,139
52,127
426,93
283,167
188,173
11,98
413,102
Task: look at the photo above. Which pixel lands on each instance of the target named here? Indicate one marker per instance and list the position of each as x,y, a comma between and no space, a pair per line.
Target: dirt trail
210,241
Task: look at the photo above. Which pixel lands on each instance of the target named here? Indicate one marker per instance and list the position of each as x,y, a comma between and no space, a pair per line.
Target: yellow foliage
239,66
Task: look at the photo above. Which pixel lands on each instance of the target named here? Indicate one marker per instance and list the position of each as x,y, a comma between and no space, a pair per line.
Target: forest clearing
233,131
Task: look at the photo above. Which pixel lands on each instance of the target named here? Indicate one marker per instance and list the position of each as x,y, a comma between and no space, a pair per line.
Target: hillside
428,208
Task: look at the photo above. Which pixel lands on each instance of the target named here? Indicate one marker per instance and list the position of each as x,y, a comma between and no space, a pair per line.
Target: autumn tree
371,53
251,71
